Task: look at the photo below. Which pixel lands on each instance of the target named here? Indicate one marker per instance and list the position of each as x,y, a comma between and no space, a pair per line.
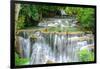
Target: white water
53,47
25,46
40,50
58,50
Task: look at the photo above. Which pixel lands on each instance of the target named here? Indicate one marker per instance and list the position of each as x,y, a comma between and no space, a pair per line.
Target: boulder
33,38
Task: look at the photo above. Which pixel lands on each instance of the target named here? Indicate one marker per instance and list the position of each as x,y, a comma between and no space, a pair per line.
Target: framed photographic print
50,34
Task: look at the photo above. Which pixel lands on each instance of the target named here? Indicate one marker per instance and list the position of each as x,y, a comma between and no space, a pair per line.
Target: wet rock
33,38
22,34
91,48
17,47
49,62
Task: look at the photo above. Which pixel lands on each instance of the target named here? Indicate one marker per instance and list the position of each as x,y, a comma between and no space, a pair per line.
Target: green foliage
27,16
86,55
72,10
85,17
29,10
31,14
20,22
35,11
20,61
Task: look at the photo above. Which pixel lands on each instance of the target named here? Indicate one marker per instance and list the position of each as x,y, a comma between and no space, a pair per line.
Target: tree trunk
17,9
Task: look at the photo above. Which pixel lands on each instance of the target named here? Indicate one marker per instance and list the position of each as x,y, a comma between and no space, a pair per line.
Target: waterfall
25,46
57,48
40,51
54,47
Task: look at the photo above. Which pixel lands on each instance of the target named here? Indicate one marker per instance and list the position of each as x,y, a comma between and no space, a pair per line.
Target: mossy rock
22,34
33,38
45,30
49,62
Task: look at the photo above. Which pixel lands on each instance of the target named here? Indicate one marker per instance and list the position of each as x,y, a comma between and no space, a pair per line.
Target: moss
45,30
49,62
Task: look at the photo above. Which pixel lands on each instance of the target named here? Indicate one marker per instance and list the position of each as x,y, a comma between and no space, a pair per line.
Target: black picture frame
12,34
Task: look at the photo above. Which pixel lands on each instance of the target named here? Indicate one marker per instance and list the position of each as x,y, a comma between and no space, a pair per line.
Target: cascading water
40,51
25,46
58,48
